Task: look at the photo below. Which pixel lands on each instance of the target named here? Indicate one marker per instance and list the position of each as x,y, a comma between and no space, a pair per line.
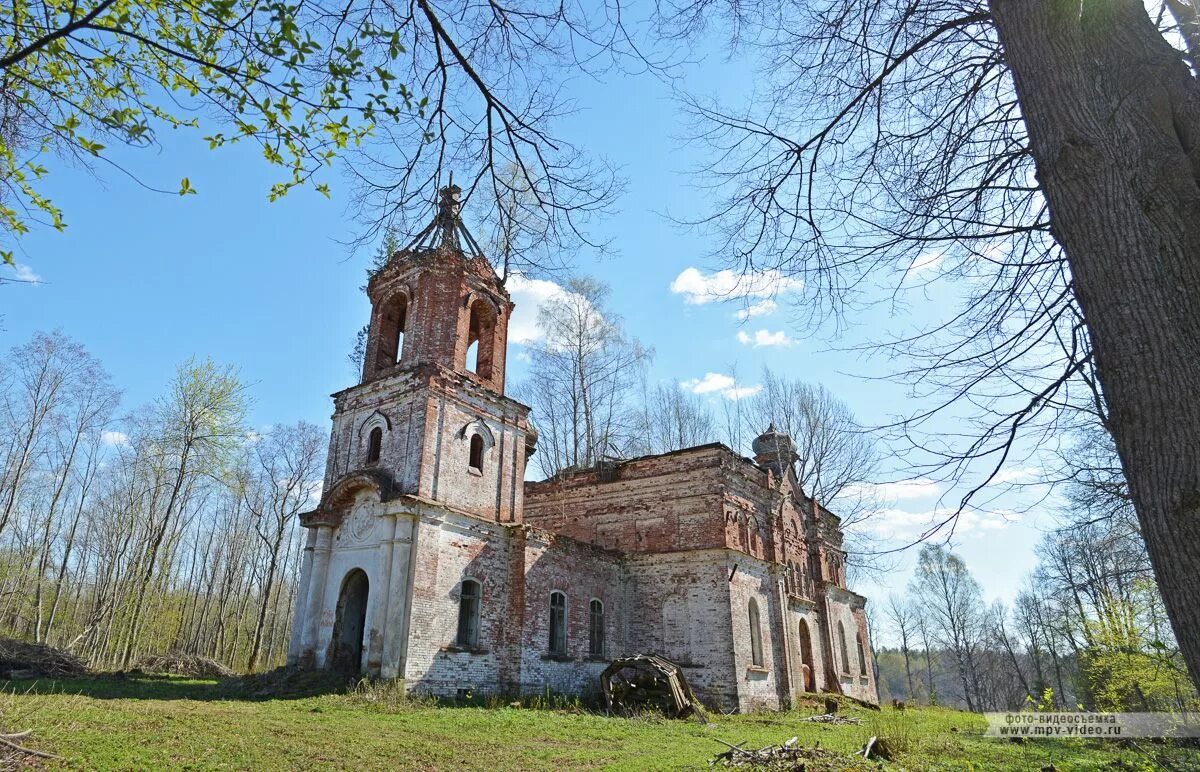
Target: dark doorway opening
346,649
807,673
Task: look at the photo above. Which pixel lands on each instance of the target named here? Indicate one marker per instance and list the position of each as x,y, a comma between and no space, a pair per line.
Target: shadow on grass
149,686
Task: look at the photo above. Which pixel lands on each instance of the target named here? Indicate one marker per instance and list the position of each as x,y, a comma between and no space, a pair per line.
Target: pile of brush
184,664
20,659
789,756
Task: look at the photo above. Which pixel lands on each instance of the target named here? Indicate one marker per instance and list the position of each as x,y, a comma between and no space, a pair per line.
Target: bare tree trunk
1113,115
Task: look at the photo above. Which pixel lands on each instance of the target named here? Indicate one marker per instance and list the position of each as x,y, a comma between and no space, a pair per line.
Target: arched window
374,444
468,614
558,623
596,629
481,338
476,461
393,319
862,656
844,651
756,650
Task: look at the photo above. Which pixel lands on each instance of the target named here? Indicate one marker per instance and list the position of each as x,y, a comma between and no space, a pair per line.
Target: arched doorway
808,675
350,623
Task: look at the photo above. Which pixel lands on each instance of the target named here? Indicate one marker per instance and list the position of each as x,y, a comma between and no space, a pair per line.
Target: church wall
680,610
451,548
494,491
758,686
582,572
806,611
848,608
354,545
655,504
748,504
395,403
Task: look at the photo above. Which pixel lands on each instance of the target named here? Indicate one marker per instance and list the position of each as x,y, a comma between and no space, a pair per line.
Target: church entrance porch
346,647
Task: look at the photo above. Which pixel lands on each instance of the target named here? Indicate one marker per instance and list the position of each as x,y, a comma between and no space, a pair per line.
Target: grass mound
20,659
184,664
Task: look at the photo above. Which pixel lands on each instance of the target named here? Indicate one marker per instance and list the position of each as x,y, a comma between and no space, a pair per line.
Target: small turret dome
773,442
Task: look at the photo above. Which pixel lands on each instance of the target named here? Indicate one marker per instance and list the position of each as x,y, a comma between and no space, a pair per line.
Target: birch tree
584,368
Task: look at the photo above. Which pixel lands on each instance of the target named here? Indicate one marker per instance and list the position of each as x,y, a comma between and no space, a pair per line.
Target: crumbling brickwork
429,558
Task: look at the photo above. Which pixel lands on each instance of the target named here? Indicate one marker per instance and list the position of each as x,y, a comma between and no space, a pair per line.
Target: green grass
158,722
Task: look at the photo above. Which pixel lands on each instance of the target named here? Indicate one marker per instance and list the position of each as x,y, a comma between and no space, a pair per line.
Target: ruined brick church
430,558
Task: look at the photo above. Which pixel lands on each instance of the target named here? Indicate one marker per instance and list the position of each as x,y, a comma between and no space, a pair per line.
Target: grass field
162,722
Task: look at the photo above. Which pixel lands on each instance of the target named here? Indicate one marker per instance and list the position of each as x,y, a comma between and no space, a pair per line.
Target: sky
146,280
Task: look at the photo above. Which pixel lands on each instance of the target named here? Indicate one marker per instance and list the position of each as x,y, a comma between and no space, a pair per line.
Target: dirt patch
291,682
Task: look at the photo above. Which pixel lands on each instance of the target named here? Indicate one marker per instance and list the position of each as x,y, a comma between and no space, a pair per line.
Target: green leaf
185,187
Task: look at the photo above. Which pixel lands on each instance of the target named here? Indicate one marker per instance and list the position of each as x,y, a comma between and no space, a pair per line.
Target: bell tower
439,302
429,417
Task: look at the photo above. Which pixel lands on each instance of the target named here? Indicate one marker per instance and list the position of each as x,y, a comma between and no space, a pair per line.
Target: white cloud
22,272
909,489
764,338
528,295
926,261
698,288
761,308
718,383
709,383
902,524
904,490
114,438
740,392
1012,475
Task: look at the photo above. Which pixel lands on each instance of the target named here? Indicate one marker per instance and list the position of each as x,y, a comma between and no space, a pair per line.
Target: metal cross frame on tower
447,228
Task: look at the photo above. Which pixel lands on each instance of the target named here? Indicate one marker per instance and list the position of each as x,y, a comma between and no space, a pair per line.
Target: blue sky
146,280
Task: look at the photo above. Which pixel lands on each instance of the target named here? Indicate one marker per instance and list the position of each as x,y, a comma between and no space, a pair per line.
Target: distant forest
1087,630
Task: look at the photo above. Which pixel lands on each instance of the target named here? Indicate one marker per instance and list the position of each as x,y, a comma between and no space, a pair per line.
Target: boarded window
468,614
476,453
374,444
558,623
596,629
756,648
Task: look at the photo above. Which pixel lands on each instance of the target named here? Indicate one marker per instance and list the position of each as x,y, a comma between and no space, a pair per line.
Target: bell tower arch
439,302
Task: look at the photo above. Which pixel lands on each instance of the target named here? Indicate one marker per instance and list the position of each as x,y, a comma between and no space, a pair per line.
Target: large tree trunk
1113,115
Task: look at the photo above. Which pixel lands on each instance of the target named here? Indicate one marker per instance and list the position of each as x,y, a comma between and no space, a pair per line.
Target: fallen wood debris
648,681
789,756
832,718
184,664
14,755
19,659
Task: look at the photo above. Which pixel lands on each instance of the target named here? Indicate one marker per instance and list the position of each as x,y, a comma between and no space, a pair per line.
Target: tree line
170,527
1087,627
